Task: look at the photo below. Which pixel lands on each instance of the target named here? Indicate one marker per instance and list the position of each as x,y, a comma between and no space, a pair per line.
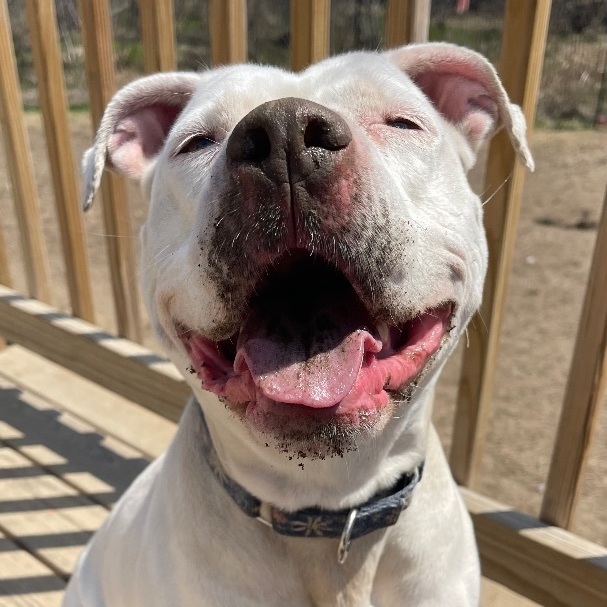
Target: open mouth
308,344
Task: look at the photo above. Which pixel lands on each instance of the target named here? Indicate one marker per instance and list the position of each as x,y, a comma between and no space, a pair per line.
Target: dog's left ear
134,127
465,88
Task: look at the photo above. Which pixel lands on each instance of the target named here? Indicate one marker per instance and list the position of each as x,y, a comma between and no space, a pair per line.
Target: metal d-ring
346,536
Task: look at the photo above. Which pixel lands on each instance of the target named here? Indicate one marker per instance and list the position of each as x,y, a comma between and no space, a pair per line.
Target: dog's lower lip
381,371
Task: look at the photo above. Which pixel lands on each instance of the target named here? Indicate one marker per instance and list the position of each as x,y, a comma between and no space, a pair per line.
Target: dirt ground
556,236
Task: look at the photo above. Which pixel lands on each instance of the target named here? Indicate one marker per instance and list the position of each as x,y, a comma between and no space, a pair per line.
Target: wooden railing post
157,35
97,38
309,32
53,104
113,362
407,21
585,389
5,272
21,169
521,59
228,31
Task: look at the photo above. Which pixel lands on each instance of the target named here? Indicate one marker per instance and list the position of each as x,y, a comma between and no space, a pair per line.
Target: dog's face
313,249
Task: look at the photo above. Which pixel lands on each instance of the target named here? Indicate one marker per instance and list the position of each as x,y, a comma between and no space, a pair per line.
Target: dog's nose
288,139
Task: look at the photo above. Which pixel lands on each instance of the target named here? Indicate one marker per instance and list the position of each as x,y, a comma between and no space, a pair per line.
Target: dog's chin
310,370
301,432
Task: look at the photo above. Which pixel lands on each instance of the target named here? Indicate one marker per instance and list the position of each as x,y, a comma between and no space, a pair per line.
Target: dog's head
313,249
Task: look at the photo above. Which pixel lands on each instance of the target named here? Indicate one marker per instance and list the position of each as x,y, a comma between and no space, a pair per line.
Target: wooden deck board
63,463
24,580
98,466
59,474
111,415
45,515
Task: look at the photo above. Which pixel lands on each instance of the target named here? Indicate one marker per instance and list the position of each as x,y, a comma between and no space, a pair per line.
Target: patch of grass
484,40
129,54
562,124
80,108
75,108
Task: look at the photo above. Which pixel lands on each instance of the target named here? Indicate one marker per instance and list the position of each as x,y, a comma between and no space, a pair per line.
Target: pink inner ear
463,101
139,136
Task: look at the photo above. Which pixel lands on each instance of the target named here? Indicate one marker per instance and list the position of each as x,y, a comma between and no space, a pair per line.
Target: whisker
156,259
498,189
110,235
224,216
483,321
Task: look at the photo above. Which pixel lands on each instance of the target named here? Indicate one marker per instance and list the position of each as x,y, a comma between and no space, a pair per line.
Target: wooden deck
68,449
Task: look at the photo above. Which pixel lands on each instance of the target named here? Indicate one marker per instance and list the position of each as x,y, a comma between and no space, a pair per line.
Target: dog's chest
232,559
330,584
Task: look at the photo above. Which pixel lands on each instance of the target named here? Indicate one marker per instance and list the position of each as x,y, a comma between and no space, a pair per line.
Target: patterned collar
382,510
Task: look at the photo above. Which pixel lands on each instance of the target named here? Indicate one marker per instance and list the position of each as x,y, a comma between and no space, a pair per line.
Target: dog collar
382,510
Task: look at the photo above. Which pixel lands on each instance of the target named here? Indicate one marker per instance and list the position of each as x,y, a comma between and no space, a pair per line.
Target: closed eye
403,123
197,143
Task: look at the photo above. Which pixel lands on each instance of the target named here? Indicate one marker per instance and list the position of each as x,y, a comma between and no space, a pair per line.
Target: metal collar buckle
346,537
263,521
264,514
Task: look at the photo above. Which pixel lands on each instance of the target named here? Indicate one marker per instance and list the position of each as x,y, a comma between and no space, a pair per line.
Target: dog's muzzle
282,158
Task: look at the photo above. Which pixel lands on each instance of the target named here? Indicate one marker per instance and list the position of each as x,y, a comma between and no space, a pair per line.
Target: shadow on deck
68,450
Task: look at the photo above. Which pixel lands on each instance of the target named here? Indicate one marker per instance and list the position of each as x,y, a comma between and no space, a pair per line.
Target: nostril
325,134
316,133
256,145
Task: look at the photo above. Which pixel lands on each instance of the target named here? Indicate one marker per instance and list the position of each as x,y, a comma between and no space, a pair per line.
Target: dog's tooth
384,333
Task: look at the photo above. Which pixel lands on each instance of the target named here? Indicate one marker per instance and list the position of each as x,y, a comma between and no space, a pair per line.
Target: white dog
313,252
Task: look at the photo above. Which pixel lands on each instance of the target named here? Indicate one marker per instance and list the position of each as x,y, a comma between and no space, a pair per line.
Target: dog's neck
382,510
310,563
333,483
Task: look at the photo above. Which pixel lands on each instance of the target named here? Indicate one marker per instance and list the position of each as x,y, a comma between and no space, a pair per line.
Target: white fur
176,538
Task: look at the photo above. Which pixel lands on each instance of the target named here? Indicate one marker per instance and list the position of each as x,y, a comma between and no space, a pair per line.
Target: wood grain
24,580
97,39
5,272
157,35
584,393
44,38
95,464
21,170
309,32
48,517
522,53
118,364
545,564
228,31
112,415
407,21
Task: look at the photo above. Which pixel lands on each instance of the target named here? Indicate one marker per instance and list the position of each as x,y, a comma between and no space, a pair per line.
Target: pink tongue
310,357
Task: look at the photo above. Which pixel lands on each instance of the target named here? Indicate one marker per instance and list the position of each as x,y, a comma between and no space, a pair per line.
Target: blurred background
574,84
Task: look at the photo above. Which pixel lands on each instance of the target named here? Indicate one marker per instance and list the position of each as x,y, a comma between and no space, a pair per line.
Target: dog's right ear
134,127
